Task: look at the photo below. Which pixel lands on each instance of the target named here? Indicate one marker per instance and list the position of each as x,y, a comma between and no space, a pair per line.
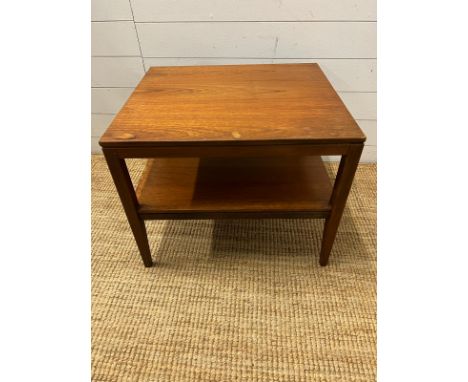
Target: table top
235,104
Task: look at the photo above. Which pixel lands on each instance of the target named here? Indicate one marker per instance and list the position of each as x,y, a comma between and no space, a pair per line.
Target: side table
240,141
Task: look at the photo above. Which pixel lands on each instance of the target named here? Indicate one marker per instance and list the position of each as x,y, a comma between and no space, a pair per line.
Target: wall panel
257,10
259,40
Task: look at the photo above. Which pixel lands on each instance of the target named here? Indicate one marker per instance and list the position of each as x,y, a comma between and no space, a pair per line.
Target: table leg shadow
183,240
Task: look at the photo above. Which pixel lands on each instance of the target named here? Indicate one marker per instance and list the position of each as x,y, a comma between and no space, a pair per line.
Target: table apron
229,151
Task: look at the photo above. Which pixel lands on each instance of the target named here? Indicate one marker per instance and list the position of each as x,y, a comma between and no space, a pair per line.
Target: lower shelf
217,187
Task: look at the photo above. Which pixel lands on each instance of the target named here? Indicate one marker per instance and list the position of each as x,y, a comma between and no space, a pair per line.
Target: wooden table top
238,104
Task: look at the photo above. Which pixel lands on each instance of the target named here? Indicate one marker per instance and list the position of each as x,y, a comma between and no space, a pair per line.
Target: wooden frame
115,158
268,113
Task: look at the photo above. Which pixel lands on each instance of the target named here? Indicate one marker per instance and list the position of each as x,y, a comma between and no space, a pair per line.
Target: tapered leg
123,183
343,181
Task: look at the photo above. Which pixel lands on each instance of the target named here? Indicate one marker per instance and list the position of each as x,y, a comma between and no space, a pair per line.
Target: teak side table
241,141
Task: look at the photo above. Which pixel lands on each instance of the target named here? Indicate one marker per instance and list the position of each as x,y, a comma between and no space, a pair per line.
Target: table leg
124,186
343,181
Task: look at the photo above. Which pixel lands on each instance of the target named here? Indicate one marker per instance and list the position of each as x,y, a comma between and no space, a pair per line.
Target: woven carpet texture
233,300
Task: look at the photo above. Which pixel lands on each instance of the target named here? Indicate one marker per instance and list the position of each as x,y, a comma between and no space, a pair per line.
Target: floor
233,300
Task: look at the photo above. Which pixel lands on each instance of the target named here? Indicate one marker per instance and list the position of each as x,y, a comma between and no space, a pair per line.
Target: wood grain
345,75
234,141
236,185
238,104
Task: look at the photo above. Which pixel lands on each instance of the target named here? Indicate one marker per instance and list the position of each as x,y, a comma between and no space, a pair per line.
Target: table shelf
287,186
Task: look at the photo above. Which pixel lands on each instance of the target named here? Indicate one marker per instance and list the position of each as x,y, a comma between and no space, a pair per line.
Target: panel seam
137,36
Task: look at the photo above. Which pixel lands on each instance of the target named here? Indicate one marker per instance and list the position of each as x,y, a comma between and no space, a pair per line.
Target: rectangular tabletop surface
238,104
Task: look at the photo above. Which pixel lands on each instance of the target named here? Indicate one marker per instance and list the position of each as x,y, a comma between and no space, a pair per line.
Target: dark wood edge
238,143
165,67
228,151
235,215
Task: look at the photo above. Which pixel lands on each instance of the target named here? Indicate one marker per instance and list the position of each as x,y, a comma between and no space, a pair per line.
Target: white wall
129,36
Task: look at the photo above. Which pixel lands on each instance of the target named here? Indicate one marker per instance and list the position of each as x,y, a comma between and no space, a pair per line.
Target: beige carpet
233,300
